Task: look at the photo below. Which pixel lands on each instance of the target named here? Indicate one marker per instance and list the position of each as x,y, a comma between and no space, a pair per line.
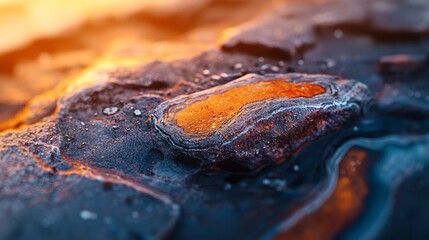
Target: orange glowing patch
344,205
211,113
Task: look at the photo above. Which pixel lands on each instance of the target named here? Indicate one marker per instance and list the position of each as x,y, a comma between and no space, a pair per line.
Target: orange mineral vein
209,114
342,207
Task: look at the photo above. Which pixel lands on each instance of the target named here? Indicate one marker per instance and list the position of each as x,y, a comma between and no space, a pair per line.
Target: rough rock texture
90,164
264,131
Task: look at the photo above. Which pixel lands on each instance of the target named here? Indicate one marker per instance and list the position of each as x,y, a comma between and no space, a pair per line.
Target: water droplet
88,215
330,63
215,77
277,184
238,66
265,66
110,110
275,68
224,75
206,72
137,112
300,62
266,181
338,34
296,167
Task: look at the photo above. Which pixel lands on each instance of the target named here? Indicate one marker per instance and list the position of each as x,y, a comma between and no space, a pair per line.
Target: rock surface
256,119
91,157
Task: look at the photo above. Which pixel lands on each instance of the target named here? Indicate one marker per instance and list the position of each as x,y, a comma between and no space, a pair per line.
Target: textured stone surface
260,131
91,158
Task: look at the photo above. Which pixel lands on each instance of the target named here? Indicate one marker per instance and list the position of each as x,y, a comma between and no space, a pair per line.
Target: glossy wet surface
209,114
93,159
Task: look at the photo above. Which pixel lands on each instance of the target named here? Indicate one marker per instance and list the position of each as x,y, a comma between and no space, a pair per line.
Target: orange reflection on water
341,208
211,113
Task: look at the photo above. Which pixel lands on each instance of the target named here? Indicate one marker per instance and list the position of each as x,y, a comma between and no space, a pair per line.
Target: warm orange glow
22,21
43,47
210,114
341,208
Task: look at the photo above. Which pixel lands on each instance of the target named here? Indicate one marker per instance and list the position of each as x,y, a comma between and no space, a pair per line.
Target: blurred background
45,42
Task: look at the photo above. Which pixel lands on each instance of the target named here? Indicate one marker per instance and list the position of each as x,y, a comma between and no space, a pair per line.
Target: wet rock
366,172
60,176
405,91
127,135
257,120
400,16
292,29
400,98
401,64
347,13
45,197
277,36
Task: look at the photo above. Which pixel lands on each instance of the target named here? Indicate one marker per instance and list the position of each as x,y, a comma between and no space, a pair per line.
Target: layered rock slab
258,120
